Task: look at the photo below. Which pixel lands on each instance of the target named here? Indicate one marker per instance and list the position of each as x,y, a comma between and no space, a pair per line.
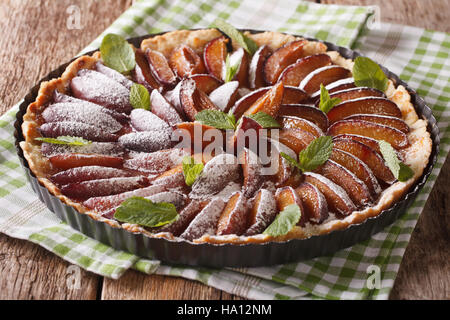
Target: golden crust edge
420,147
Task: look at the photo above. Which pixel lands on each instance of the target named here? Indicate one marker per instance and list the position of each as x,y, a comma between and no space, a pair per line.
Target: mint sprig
368,73
217,119
245,42
400,170
144,212
65,140
265,120
326,103
284,221
231,68
139,97
117,53
314,155
191,170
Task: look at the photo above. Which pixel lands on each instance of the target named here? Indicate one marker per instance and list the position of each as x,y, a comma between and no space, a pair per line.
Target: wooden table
35,39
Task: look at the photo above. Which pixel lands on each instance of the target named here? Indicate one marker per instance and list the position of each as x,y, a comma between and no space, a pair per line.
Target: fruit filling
227,140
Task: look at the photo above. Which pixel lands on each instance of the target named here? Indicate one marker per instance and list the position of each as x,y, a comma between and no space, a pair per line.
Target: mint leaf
231,68
400,170
316,153
139,96
117,53
291,160
326,104
216,119
368,73
284,221
146,213
66,140
265,120
191,170
245,42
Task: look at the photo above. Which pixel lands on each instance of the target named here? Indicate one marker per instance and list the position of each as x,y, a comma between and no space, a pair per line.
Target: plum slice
164,110
307,112
95,87
269,103
109,202
353,186
60,97
373,130
185,62
103,187
324,75
76,129
295,138
142,73
262,212
206,221
225,96
252,171
156,162
185,218
256,67
358,168
296,72
194,100
369,156
106,148
86,173
247,101
88,114
217,173
159,66
366,105
393,122
206,82
113,74
72,160
144,120
355,93
146,141
214,56
288,122
294,95
233,219
287,196
314,203
338,200
281,58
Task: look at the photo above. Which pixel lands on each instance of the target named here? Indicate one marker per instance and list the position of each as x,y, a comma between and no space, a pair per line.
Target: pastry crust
416,155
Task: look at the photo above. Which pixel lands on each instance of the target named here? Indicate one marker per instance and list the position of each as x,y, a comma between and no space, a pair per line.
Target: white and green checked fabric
418,56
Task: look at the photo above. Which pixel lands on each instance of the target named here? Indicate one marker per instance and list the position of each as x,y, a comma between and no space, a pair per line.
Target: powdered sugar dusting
144,120
76,129
108,202
206,221
106,148
177,199
113,74
146,141
89,114
266,212
216,174
156,162
96,87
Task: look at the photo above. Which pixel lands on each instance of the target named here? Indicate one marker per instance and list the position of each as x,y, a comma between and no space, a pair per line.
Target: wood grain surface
34,39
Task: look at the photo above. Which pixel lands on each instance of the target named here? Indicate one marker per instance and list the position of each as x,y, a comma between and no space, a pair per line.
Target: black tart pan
230,255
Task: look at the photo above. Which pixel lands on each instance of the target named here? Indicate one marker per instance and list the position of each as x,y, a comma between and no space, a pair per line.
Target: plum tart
215,136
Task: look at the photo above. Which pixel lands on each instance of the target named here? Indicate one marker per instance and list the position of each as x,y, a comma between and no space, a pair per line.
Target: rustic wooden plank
428,14
27,271
138,286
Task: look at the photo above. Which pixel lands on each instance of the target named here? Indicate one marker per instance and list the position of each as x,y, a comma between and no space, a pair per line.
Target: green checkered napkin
420,57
